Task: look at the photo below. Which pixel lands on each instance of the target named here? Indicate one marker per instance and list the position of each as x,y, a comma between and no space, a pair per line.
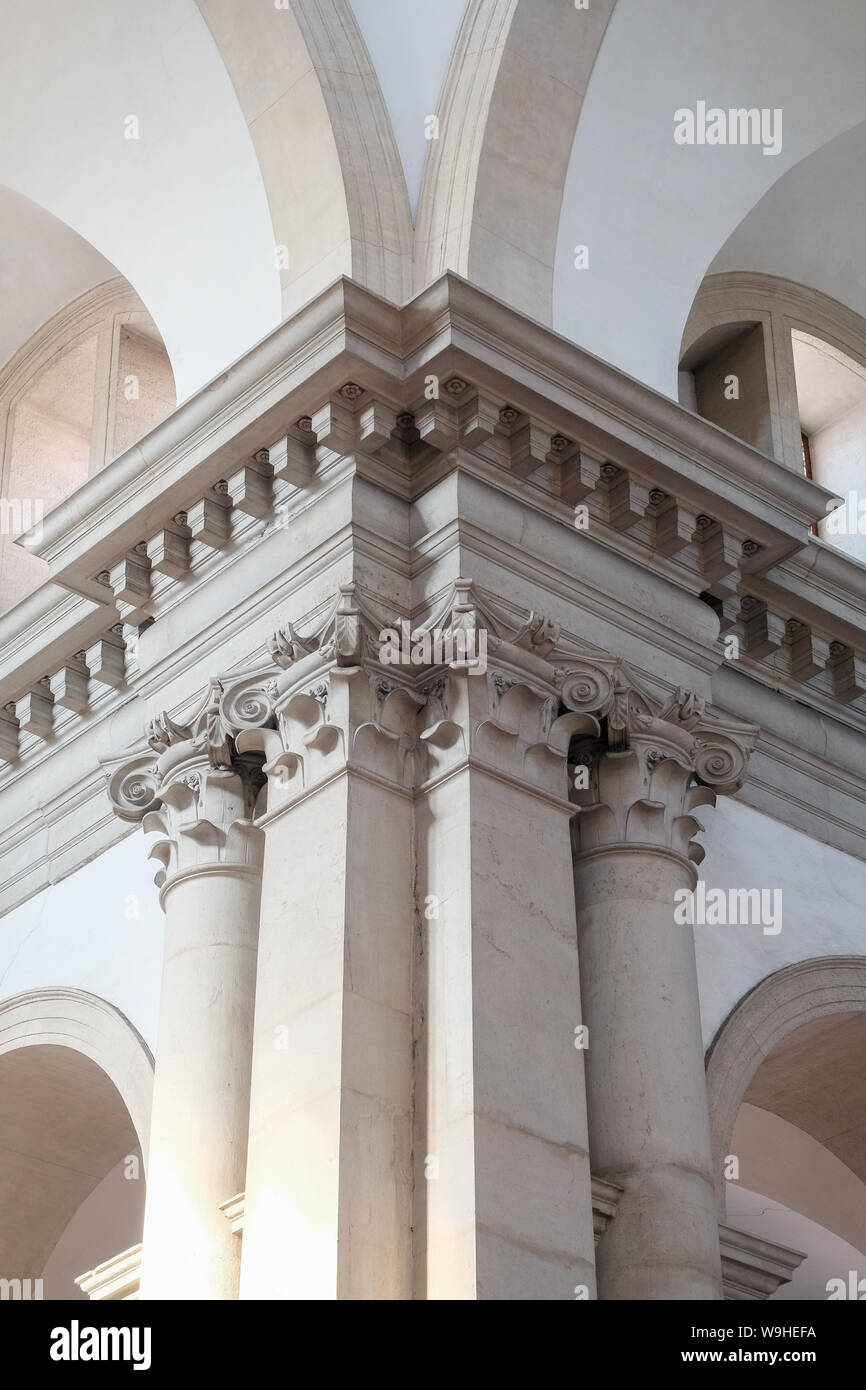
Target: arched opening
85,387
787,1087
71,1172
723,377
831,394
76,1082
784,367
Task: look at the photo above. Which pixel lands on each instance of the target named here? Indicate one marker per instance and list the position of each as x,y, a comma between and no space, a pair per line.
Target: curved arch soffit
329,161
76,320
508,113
71,325
749,296
779,1005
89,1025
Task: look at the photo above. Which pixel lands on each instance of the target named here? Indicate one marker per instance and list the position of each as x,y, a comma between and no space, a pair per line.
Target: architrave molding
114,1279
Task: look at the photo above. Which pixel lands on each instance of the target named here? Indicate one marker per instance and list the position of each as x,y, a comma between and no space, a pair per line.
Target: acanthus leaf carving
329,700
162,732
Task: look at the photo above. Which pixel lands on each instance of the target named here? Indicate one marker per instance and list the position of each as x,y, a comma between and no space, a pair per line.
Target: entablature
453,382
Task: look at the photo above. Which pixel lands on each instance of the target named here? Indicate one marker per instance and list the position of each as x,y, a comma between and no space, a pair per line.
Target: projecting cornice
401,398
232,497
347,338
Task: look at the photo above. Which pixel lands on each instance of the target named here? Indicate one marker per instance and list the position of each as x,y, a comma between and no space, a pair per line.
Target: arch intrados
75,1019
775,1008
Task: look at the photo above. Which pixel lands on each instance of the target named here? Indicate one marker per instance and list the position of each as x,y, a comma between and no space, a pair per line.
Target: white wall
83,933
809,226
108,1222
839,463
827,1256
823,904
655,214
43,266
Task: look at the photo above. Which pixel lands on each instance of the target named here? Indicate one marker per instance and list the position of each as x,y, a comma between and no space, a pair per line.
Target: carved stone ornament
657,763
329,699
193,784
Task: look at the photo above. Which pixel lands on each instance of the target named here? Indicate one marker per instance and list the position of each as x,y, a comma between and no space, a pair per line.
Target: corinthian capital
205,814
194,785
656,764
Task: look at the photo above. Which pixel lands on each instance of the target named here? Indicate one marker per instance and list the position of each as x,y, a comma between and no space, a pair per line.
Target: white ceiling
810,226
410,42
655,214
63,1126
827,1256
181,211
43,266
829,384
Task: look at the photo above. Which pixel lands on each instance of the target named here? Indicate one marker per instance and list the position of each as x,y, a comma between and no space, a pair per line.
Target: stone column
328,1211
502,1179
418,981
646,1089
200,794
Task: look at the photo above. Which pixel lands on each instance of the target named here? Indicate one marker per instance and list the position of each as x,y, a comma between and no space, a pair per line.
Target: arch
781,307
493,184
780,1004
735,296
98,310
807,228
329,161
646,267
788,1165
72,1018
150,162
44,266
82,419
